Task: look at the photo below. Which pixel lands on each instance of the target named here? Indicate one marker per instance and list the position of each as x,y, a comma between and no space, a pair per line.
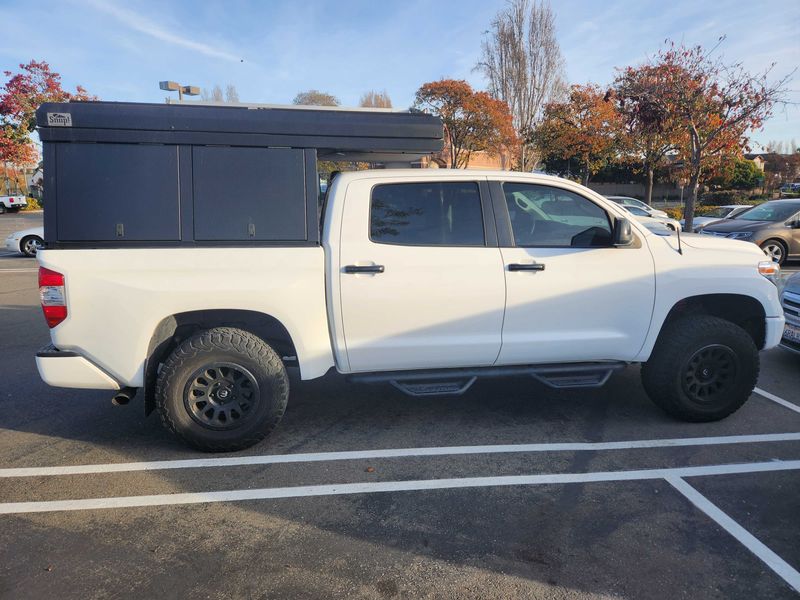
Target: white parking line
237,461
775,398
390,486
18,270
748,540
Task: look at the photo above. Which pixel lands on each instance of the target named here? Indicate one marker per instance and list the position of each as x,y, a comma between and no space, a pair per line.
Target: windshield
637,203
718,212
637,211
770,211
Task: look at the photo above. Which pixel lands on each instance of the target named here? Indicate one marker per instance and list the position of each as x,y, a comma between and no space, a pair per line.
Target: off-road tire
669,374
228,346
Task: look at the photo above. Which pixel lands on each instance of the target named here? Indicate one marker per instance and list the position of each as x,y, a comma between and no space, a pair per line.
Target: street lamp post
171,86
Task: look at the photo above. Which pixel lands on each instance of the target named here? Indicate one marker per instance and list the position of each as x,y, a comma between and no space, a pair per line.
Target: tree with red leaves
715,104
652,132
19,98
586,127
473,121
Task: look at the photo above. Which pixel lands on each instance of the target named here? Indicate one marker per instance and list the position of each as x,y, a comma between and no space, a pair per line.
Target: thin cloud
143,25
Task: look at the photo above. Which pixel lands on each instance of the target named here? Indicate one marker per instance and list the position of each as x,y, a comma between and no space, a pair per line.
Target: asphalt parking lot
512,490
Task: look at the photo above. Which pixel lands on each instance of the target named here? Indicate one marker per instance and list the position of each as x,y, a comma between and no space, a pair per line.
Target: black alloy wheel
710,373
222,395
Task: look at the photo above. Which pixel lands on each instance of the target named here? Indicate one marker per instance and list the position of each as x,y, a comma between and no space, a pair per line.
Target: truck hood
793,284
710,242
730,225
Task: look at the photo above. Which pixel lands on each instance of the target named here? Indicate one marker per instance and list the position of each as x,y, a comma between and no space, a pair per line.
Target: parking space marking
237,461
18,270
748,540
390,486
778,400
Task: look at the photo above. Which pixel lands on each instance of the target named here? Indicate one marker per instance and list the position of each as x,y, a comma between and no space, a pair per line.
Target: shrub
33,204
723,197
675,212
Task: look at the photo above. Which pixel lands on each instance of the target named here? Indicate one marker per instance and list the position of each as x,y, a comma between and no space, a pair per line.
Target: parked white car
729,211
649,222
628,202
27,241
12,203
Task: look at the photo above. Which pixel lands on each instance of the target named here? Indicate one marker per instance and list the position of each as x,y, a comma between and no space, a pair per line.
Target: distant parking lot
512,490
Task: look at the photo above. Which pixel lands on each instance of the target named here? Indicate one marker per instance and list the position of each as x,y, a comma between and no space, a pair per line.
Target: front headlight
740,235
769,269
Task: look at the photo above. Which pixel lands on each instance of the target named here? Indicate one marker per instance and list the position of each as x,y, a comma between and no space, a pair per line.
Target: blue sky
272,49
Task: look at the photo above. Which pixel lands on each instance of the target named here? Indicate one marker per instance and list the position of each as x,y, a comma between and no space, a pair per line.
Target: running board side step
454,382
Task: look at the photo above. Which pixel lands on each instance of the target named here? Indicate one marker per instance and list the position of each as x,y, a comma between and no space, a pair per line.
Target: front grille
791,307
789,345
716,233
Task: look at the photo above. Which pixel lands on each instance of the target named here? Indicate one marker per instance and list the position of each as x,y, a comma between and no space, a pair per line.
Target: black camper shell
125,174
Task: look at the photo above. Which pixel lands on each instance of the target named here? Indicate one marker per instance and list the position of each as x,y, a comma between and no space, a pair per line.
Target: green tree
746,175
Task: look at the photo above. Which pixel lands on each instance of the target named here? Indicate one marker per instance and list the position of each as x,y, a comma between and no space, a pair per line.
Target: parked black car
774,226
791,310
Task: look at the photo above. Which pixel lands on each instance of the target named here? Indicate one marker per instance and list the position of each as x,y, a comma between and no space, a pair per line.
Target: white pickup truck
423,278
12,203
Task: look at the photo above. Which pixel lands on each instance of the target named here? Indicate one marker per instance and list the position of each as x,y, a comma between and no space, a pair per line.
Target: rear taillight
53,296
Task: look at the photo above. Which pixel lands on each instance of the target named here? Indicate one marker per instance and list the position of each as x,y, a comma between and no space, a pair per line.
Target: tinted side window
547,216
427,214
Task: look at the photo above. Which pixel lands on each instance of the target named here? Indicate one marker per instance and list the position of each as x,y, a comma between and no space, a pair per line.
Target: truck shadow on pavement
571,540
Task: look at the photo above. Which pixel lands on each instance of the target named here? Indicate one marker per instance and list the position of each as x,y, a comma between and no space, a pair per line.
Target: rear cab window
427,214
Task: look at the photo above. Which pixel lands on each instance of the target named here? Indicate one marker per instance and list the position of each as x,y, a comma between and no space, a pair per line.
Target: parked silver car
27,241
629,203
720,213
790,299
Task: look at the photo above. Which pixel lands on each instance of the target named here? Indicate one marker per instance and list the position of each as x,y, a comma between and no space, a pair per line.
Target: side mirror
623,233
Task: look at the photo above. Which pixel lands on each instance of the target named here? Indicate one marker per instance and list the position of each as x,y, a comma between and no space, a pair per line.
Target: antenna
680,248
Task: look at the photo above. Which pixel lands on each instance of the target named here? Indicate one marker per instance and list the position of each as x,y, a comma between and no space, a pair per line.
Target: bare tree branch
522,61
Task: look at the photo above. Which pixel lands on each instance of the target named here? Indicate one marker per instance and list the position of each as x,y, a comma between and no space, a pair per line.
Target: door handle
364,269
526,267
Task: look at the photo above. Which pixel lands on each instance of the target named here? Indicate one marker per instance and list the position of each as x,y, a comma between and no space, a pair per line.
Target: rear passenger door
571,295
421,276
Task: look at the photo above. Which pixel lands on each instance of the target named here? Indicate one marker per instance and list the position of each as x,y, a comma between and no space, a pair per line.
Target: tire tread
658,372
209,341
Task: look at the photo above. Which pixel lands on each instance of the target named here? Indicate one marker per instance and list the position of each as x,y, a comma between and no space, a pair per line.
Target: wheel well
744,311
173,329
28,237
783,244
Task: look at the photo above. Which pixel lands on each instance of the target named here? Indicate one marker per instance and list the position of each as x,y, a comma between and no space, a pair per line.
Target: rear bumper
774,332
71,370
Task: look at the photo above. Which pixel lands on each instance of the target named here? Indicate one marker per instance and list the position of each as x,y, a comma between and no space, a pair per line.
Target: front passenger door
571,295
